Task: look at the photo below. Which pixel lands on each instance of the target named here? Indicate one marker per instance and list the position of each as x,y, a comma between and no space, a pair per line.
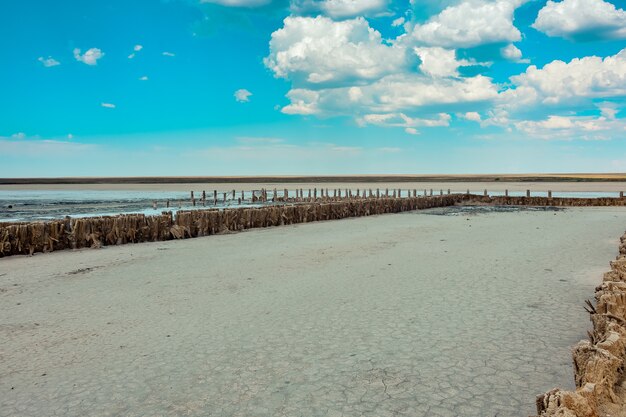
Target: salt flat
408,314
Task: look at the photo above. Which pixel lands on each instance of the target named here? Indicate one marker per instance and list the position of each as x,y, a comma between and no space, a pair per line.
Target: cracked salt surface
406,314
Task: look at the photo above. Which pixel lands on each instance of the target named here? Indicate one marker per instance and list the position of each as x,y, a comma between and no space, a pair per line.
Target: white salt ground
408,314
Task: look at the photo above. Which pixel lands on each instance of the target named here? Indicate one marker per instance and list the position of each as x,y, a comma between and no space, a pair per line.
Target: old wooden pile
74,233
598,362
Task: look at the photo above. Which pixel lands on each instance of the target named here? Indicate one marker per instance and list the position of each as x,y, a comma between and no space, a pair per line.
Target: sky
297,87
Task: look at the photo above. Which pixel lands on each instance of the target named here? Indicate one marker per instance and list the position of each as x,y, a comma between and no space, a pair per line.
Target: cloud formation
470,23
242,95
581,78
90,57
48,62
582,20
319,51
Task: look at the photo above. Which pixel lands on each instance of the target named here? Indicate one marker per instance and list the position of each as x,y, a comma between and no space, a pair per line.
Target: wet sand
409,314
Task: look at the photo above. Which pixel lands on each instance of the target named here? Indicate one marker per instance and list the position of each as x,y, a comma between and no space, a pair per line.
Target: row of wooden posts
263,196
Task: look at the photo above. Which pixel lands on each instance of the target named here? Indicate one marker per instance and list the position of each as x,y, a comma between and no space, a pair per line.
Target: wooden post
275,195
440,192
431,192
154,205
233,194
203,196
414,192
506,193
286,194
358,193
485,193
394,194
214,197
378,193
224,197
167,204
239,201
467,191
549,194
527,193
242,196
386,192
425,192
621,194
448,191
309,193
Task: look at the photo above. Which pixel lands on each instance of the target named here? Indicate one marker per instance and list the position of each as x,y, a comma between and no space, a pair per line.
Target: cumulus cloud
339,9
470,23
168,54
558,81
108,105
402,120
90,57
512,53
242,95
439,62
391,94
582,20
398,22
351,8
472,116
573,127
319,51
48,62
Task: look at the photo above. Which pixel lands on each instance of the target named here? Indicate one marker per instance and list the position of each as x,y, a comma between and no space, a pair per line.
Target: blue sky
245,87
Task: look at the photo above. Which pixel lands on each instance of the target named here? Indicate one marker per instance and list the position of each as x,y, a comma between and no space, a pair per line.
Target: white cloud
512,53
404,121
136,48
48,62
242,95
18,136
398,22
70,136
573,127
411,131
391,94
168,54
318,51
351,8
472,116
582,20
108,105
439,62
90,57
558,81
144,78
470,23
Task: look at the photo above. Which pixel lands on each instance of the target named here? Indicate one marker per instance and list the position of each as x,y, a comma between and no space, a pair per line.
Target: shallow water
28,205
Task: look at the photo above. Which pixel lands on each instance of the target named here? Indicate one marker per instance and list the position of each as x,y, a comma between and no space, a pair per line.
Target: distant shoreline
579,177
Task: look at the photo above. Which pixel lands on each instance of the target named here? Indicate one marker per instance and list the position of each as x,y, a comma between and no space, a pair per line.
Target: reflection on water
26,205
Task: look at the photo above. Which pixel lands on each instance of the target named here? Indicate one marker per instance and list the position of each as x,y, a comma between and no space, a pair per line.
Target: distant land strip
578,177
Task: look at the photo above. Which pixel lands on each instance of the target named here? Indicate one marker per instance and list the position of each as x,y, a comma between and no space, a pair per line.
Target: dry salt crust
406,314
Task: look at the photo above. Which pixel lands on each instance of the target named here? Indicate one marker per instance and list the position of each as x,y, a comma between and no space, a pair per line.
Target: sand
408,314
